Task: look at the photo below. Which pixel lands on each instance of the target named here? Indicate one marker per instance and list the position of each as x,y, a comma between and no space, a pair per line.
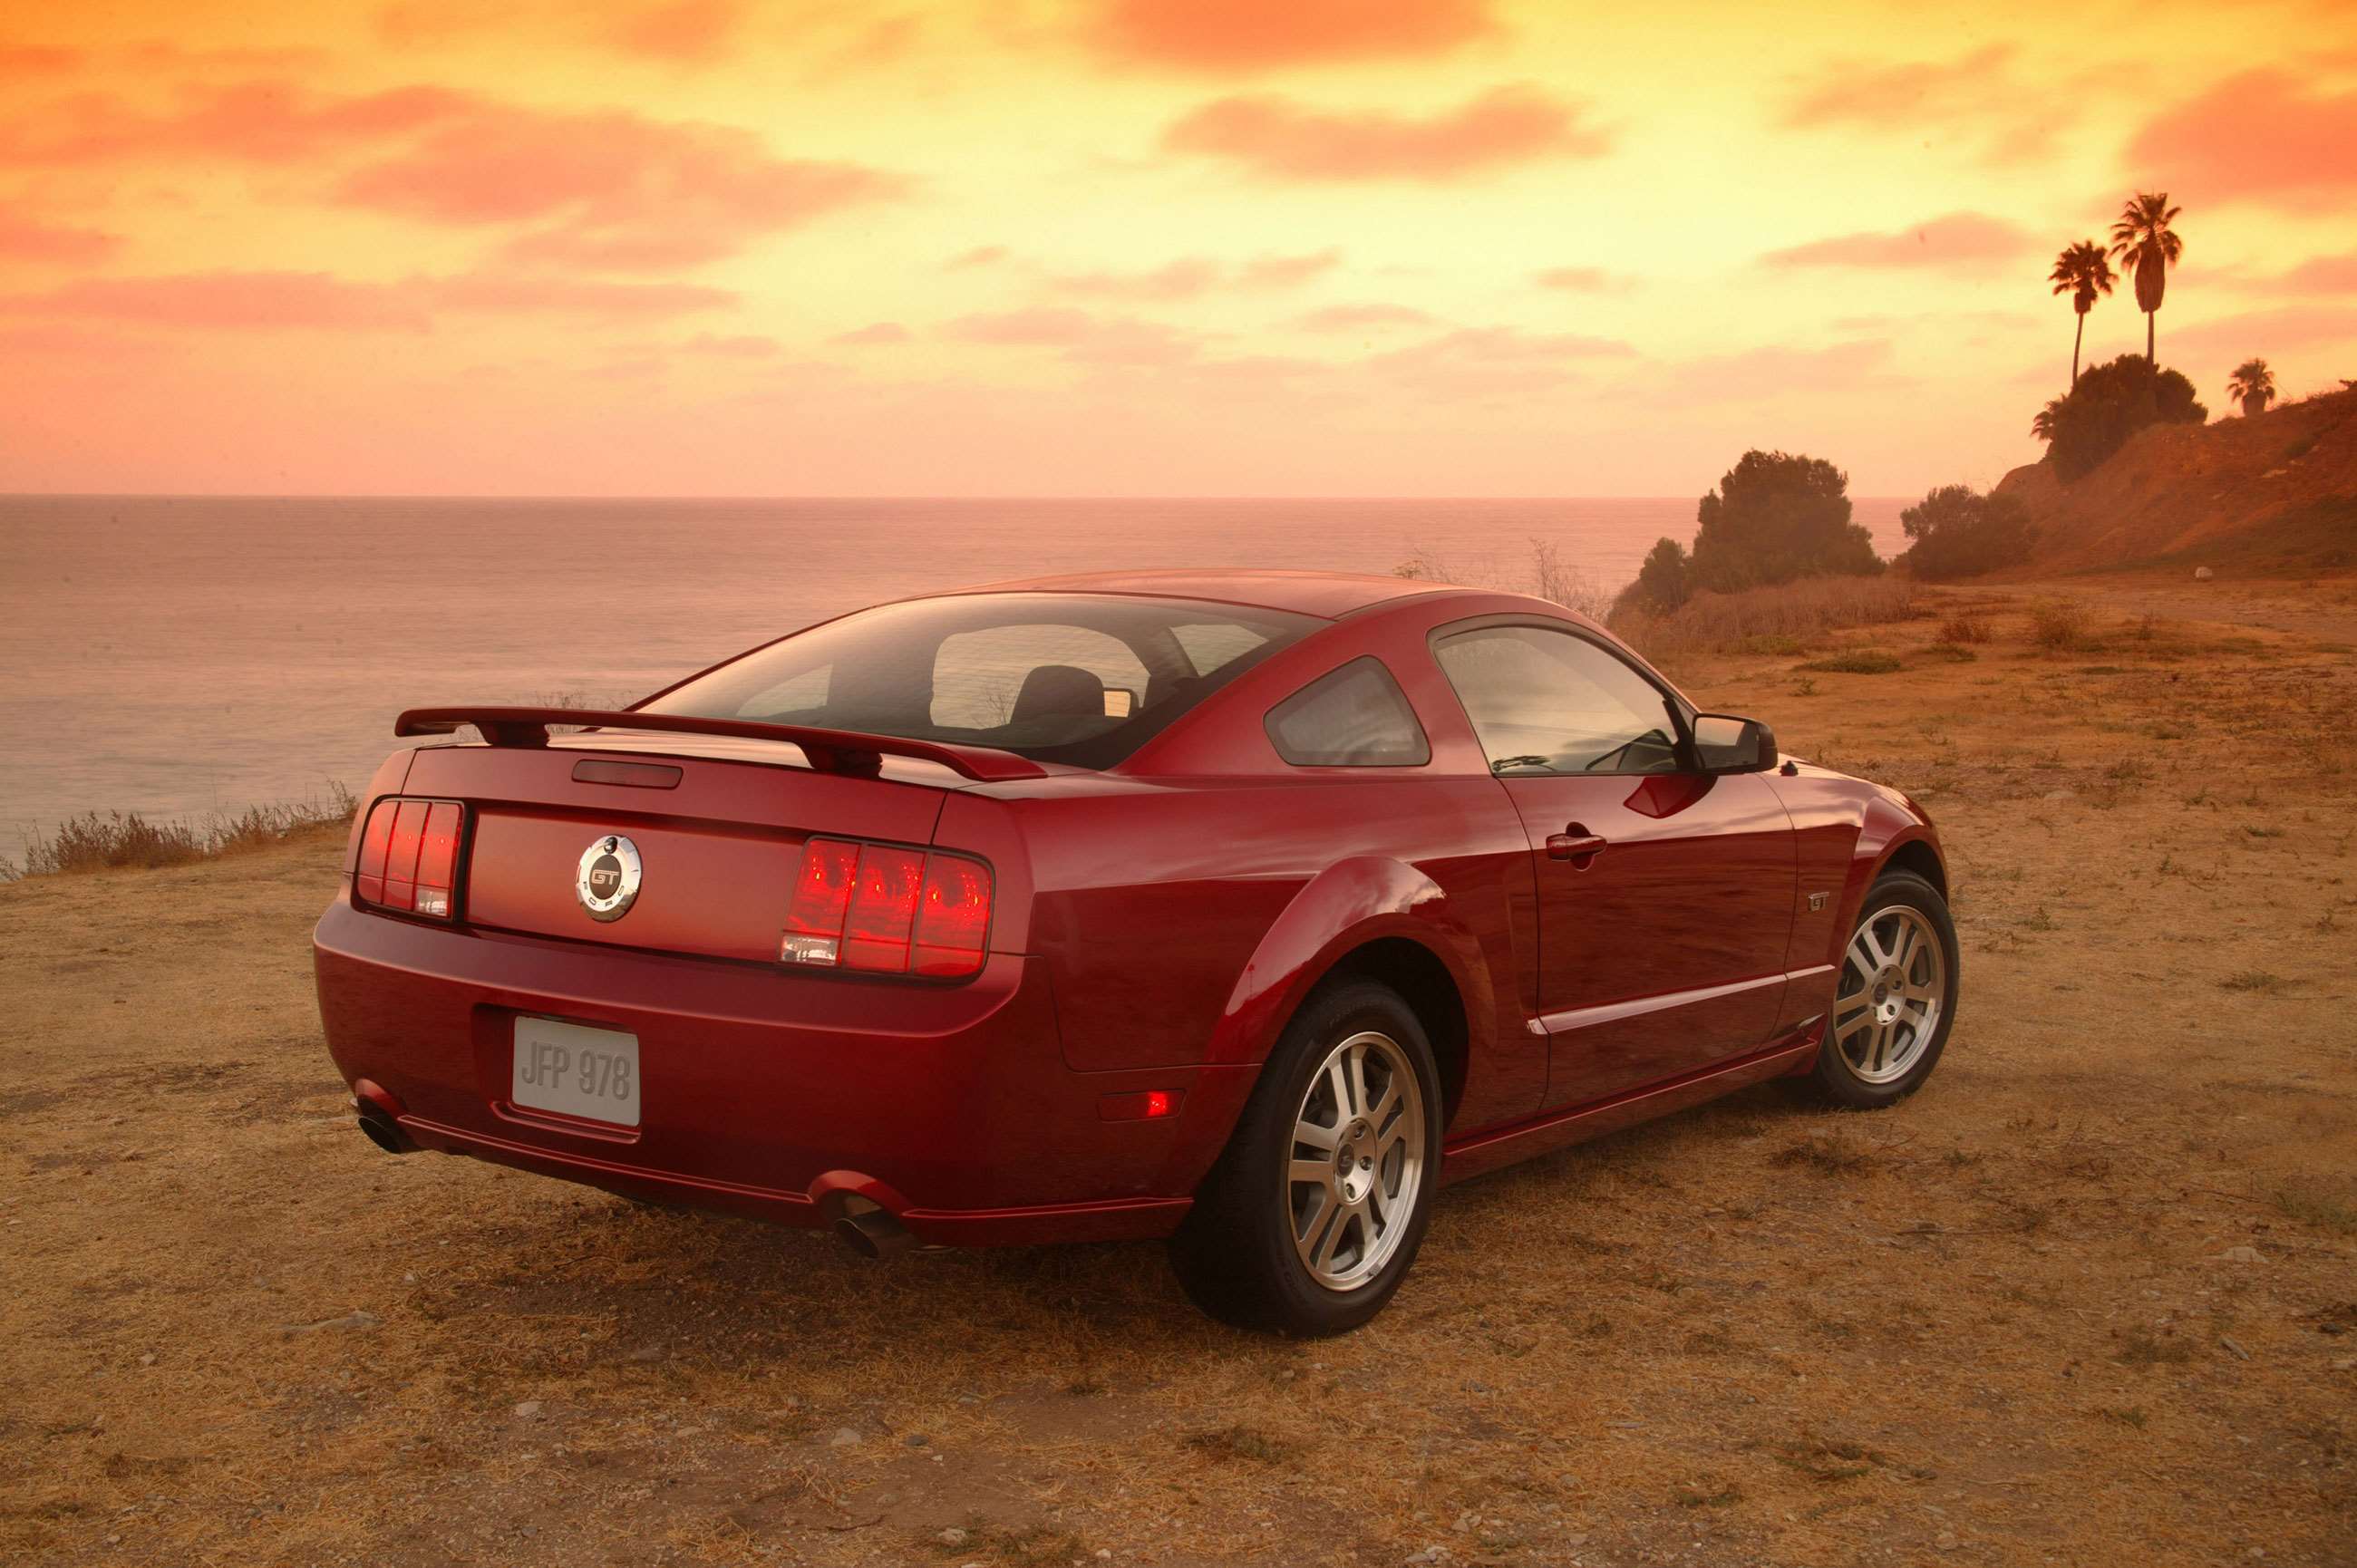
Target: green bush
1775,517
2111,403
1959,532
1666,580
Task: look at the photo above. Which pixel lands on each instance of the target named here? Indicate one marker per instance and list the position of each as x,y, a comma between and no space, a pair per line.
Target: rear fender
391,775
1349,904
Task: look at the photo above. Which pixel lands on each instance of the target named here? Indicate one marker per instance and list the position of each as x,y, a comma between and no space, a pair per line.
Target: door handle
1576,845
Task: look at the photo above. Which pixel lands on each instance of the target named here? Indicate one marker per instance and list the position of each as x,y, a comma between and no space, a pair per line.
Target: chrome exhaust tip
874,1235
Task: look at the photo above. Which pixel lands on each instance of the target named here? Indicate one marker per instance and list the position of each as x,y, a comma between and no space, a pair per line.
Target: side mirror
1724,744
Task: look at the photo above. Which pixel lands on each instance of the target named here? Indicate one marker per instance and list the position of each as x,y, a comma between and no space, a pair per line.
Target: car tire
1274,1244
1894,1000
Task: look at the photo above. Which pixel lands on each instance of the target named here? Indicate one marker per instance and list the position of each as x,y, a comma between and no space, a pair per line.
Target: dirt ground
2090,1298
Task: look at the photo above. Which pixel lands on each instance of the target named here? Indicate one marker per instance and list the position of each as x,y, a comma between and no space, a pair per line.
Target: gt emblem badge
609,881
1816,901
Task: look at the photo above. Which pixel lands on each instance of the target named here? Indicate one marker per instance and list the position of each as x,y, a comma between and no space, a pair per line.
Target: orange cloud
1583,280
1284,272
1974,94
605,190
1492,362
1959,238
874,332
2323,275
1233,34
2264,135
1182,279
24,240
1040,325
24,61
2268,333
1280,138
684,31
1361,318
614,190
745,346
1079,334
1778,371
510,294
232,300
255,122
980,256
246,300
1192,276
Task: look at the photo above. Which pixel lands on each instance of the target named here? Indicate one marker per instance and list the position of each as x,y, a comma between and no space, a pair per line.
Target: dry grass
2058,626
1542,575
1857,661
1786,620
2031,1316
1965,628
116,841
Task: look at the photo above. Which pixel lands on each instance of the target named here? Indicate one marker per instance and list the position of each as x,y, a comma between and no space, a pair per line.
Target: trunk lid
717,824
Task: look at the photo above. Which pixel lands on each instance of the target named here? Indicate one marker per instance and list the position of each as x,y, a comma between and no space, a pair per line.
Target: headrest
1060,690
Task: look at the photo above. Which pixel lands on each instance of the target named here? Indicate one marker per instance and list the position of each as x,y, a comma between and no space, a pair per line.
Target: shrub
1963,629
1784,620
117,840
2110,403
1959,532
1775,517
1868,662
2058,624
1666,580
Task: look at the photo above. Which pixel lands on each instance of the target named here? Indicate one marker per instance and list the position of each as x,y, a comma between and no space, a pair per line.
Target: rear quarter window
1353,717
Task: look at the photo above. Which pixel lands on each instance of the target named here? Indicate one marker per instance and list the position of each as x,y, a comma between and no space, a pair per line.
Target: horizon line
845,496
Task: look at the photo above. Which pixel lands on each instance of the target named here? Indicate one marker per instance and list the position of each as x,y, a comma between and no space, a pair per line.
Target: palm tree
2142,239
2080,272
2048,421
2253,387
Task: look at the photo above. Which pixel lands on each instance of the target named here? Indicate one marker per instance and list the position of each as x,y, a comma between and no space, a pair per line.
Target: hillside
2277,493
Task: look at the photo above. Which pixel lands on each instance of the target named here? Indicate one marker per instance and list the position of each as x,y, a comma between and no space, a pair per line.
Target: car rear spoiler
829,750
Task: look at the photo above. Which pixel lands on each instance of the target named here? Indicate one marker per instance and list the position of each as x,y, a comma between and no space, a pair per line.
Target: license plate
577,1070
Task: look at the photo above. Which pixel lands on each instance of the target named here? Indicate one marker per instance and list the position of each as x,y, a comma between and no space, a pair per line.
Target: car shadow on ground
634,1280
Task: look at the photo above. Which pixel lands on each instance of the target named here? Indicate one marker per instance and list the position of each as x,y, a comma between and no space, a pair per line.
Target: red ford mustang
1242,907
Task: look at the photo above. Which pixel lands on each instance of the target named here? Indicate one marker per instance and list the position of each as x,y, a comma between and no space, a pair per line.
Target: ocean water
180,656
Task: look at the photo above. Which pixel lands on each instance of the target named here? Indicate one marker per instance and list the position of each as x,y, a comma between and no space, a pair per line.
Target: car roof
1327,594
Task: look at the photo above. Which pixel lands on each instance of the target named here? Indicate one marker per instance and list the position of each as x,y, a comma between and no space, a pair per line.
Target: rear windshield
1071,678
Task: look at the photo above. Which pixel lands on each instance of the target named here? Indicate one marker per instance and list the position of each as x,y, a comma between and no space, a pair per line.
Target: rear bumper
767,1093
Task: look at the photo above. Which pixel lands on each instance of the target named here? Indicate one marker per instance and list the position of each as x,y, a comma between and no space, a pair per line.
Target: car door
1664,894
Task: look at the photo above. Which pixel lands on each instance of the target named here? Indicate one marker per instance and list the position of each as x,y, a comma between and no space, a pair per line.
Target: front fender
1891,822
1349,904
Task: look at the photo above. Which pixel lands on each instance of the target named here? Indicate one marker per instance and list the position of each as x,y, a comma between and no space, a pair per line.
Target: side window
1547,702
1353,717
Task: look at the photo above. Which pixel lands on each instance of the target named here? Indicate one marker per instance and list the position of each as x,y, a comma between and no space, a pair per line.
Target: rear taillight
821,895
884,910
409,856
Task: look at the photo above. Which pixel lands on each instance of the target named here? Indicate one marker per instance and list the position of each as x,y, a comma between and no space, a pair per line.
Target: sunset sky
1200,247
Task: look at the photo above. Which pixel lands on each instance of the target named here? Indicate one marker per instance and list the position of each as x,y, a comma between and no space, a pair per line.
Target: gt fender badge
608,883
1817,901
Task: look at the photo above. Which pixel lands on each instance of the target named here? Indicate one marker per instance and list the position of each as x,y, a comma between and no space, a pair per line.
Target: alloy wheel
1356,1167
1893,989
